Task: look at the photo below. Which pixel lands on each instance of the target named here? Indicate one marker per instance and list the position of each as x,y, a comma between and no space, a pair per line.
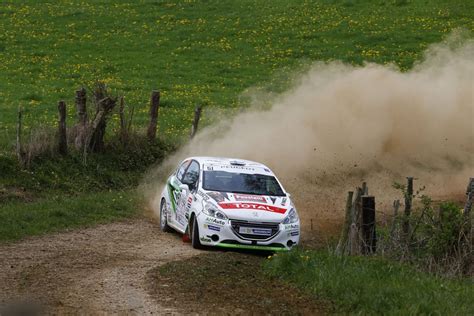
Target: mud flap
186,236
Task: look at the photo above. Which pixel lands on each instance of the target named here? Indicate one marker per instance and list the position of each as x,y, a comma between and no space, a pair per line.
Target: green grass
371,285
57,213
194,52
205,52
58,193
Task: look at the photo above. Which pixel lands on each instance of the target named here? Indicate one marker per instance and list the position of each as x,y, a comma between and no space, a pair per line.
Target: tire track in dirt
97,270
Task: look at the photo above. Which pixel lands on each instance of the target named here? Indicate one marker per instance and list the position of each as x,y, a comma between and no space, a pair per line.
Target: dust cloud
341,124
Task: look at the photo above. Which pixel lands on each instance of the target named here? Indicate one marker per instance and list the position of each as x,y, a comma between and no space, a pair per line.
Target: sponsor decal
212,227
273,199
188,203
267,170
203,195
294,233
292,226
215,221
255,231
253,206
205,239
246,197
181,219
283,201
236,167
218,196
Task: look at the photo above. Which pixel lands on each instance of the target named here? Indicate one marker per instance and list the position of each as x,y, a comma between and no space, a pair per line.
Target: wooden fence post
123,123
154,105
408,204
470,198
342,245
19,148
356,212
197,116
62,139
469,230
81,99
96,130
396,207
368,225
81,108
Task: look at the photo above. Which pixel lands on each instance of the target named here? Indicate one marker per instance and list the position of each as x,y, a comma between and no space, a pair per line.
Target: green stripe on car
253,247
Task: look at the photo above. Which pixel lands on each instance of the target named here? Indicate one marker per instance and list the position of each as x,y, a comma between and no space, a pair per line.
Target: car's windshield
258,184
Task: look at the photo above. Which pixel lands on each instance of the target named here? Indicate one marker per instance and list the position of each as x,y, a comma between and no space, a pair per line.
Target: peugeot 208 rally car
229,203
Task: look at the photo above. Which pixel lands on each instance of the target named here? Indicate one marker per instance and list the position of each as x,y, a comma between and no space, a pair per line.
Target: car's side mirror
288,195
184,187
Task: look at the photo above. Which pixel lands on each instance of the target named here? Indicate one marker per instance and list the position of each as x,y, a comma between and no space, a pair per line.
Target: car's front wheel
163,217
194,234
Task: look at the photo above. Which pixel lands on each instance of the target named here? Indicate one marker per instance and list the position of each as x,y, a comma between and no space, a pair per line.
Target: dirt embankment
114,269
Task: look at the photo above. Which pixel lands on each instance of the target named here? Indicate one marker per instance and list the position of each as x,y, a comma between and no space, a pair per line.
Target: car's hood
248,207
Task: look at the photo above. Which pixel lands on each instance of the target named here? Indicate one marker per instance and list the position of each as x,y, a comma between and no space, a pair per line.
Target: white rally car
229,203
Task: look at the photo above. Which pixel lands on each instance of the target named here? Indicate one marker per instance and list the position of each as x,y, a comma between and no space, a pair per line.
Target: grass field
194,52
206,52
372,286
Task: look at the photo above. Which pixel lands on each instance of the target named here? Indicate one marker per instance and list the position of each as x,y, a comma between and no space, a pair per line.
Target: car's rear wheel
163,217
194,232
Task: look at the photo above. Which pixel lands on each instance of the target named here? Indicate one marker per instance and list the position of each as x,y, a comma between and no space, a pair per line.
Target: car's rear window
258,184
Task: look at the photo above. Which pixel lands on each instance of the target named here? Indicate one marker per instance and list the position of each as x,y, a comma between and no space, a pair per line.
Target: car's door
190,178
174,185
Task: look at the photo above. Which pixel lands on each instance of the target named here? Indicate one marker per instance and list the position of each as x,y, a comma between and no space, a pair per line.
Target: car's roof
209,161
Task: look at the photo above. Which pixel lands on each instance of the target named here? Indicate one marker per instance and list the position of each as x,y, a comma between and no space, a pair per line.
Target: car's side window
181,170
192,175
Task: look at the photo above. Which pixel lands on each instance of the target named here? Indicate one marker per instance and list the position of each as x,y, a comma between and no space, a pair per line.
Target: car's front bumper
220,233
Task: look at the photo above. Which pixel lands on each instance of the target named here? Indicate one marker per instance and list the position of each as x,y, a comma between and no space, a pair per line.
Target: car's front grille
254,230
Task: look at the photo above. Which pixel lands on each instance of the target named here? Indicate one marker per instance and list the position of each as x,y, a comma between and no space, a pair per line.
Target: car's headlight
211,210
291,218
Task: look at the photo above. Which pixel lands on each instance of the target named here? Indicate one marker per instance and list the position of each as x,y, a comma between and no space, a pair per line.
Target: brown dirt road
98,270
112,269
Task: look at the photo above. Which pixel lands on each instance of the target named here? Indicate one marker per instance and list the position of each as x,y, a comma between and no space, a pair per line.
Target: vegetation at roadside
203,52
371,285
19,220
227,282
206,52
58,193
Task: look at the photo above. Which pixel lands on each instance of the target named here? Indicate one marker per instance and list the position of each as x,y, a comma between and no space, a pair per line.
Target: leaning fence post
368,225
470,198
408,204
342,245
81,108
356,212
62,139
197,116
154,104
19,149
81,99
123,124
467,212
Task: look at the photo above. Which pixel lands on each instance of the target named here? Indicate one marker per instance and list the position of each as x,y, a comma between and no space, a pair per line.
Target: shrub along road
132,267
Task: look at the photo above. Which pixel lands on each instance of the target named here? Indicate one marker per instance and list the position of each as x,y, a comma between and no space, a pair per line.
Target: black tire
194,232
163,219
